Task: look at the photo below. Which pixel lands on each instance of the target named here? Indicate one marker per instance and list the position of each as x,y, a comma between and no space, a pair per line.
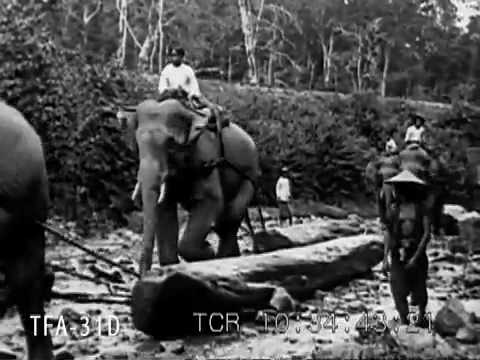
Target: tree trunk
386,64
327,50
164,305
247,22
145,50
122,52
154,51
229,70
359,65
160,36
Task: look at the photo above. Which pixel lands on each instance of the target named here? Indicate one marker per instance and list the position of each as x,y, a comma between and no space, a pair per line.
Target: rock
454,210
349,297
422,341
451,317
472,280
58,342
323,340
63,355
282,301
6,354
469,224
178,349
356,306
249,332
466,335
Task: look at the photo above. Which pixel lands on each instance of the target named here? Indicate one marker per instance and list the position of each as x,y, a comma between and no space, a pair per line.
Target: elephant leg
166,231
229,222
227,232
26,277
208,205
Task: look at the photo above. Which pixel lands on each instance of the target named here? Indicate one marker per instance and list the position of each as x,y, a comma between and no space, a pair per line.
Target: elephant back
23,182
416,160
240,150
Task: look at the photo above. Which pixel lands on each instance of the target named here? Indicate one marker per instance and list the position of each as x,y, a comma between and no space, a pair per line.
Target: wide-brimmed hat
417,115
405,176
284,169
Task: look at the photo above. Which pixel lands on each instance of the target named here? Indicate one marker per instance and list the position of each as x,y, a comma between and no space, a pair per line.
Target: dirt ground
300,339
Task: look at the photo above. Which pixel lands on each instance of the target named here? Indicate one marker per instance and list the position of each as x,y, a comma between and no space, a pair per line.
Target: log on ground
168,304
313,232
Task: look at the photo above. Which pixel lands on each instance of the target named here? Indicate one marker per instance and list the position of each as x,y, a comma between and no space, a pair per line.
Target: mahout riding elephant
24,201
427,167
209,170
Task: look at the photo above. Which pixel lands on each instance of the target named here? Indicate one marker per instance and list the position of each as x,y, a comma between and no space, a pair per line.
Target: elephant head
157,129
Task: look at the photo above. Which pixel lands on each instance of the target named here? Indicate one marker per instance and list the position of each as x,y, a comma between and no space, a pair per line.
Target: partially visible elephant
23,205
211,172
437,174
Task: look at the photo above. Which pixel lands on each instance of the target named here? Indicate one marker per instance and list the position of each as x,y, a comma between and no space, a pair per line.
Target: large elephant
210,172
23,205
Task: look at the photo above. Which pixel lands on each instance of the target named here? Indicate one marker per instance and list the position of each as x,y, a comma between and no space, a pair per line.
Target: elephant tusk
161,196
136,191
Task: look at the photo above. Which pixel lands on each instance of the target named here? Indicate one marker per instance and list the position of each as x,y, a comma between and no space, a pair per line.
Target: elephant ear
129,121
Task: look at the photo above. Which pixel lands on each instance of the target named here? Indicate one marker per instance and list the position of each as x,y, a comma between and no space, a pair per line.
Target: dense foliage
325,139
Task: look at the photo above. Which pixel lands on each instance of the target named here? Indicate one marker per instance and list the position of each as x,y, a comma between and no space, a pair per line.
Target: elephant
24,199
210,171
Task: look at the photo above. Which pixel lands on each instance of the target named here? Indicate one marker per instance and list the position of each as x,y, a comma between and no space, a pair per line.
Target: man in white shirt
282,190
416,132
177,74
391,146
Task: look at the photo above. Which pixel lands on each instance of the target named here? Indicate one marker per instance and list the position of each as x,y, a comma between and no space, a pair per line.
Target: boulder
467,335
451,317
469,224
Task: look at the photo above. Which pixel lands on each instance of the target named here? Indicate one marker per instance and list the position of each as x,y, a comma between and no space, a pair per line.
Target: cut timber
304,234
163,305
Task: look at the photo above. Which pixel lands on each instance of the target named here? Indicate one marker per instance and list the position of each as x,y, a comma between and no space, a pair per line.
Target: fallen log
169,304
83,298
304,234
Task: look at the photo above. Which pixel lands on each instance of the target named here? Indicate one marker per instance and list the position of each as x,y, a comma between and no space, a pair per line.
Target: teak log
164,305
303,234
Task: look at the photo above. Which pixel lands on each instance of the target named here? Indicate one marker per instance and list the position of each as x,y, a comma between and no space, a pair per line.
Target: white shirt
182,76
391,145
283,189
414,134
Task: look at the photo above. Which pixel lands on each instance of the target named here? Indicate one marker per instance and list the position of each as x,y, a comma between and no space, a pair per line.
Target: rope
87,250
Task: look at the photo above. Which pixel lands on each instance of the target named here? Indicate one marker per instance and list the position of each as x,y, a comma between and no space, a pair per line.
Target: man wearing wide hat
407,236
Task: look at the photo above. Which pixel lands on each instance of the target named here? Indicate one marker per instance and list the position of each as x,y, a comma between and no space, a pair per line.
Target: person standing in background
283,193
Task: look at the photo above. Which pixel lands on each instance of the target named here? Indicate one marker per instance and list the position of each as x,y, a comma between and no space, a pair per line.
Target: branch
293,19
259,16
129,29
88,17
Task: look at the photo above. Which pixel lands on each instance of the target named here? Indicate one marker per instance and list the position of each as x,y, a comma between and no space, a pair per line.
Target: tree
250,26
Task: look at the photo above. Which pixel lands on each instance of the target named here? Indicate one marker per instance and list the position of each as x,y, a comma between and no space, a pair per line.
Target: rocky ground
301,338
